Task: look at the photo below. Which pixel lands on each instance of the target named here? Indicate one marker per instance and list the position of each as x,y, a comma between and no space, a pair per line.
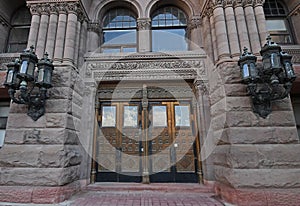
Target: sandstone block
24,121
258,178
38,176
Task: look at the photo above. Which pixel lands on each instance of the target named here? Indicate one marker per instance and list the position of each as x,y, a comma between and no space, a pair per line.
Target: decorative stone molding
202,86
247,3
144,23
53,9
259,3
295,11
94,27
228,3
34,9
44,9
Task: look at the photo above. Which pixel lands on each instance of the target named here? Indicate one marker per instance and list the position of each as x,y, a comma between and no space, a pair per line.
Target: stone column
221,32
77,42
241,25
194,30
70,33
94,31
213,36
207,37
60,35
41,40
260,21
83,40
252,27
144,35
35,24
232,30
51,36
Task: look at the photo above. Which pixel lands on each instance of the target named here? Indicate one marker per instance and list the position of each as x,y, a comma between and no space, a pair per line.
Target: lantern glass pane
41,75
24,67
47,79
30,69
245,71
288,69
275,61
266,63
253,70
10,76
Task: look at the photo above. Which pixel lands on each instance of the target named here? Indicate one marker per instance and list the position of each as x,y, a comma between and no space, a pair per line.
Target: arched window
169,29
19,32
119,31
277,23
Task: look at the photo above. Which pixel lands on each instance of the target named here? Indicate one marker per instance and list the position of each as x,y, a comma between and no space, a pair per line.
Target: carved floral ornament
56,7
212,4
144,24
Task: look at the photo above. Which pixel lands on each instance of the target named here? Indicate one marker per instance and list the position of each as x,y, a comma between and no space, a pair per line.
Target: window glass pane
111,50
2,135
159,116
3,122
115,18
128,49
182,116
163,40
130,116
276,25
4,111
119,37
169,16
108,116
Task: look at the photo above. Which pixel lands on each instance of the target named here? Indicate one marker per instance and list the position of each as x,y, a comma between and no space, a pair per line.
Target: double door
155,143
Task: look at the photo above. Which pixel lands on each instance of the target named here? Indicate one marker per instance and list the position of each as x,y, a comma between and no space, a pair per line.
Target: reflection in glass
159,115
164,40
108,116
130,116
182,116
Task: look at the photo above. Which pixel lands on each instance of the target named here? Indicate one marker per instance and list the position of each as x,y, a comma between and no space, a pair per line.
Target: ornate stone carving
248,3
94,27
34,9
194,22
202,86
53,8
144,24
228,3
259,2
45,9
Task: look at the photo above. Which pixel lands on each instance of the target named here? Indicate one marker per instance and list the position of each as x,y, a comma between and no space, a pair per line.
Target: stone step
154,187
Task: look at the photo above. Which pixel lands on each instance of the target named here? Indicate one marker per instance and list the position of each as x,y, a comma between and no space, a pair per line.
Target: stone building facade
127,75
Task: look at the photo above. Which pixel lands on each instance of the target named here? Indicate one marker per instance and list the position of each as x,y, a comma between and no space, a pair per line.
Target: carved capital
74,8
194,22
228,3
259,3
62,8
94,27
217,3
53,9
201,86
45,9
238,3
144,24
35,9
249,3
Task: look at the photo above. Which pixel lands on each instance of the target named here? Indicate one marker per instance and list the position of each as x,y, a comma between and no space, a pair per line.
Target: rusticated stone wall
252,152
46,154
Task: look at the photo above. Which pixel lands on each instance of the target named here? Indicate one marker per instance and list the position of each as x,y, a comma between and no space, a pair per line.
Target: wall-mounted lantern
22,76
272,81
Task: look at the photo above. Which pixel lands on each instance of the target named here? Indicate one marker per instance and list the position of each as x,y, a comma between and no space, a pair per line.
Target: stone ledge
258,197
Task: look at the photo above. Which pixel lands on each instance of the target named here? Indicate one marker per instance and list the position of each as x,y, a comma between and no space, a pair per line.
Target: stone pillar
77,42
35,24
232,30
83,41
221,32
51,36
241,25
94,31
42,36
70,37
194,30
252,28
207,37
60,35
213,36
260,21
144,35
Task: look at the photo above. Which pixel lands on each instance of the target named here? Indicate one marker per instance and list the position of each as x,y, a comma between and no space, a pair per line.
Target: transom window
169,26
276,21
119,31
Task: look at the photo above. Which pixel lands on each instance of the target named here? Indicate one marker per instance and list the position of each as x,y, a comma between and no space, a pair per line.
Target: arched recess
102,8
